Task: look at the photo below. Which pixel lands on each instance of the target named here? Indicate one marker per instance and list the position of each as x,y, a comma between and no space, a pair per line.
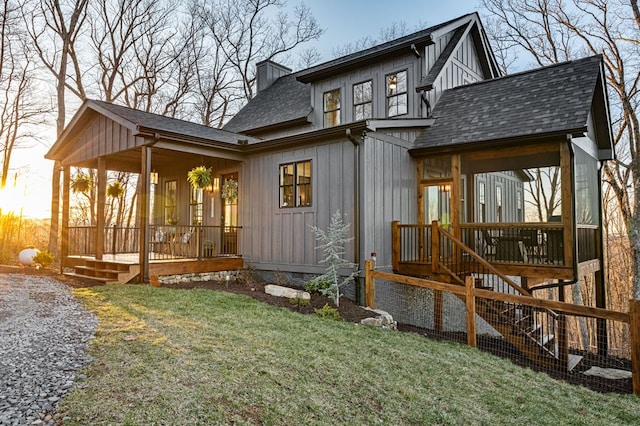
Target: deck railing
525,244
165,241
199,241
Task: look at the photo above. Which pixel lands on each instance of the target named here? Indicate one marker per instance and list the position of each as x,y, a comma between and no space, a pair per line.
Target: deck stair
106,271
533,331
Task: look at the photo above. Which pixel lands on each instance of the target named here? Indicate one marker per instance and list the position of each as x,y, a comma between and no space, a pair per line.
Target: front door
229,223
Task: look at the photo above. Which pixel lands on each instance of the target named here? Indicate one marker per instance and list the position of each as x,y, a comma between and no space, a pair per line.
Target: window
331,108
482,211
295,184
171,202
196,206
519,206
498,204
397,98
362,101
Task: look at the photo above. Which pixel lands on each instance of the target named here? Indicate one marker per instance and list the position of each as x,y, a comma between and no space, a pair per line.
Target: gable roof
283,102
552,101
143,123
384,50
288,99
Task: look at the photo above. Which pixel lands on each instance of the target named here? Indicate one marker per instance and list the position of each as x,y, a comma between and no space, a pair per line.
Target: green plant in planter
230,190
199,177
115,190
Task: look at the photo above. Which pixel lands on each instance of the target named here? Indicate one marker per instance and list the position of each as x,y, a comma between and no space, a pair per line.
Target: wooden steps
108,272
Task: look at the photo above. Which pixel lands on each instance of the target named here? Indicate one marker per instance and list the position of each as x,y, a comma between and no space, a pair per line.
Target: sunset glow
31,199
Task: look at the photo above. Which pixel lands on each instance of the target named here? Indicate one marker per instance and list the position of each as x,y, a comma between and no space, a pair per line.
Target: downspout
356,209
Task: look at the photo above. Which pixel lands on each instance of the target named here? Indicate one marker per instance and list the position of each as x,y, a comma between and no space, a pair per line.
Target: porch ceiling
130,161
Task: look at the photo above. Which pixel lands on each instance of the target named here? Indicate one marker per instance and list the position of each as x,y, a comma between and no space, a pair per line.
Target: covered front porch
170,226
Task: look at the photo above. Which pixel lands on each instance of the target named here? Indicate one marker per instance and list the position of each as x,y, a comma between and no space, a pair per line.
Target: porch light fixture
153,177
216,184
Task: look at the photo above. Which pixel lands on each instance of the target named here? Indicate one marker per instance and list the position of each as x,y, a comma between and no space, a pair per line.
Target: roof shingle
547,100
283,101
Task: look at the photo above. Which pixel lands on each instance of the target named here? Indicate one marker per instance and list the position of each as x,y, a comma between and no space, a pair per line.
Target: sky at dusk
344,21
351,20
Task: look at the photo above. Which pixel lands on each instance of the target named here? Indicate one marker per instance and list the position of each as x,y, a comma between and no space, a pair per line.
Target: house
419,129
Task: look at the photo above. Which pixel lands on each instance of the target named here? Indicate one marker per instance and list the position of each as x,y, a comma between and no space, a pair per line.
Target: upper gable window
397,97
362,100
331,108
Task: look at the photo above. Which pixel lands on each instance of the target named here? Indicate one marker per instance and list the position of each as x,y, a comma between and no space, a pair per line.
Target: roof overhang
468,146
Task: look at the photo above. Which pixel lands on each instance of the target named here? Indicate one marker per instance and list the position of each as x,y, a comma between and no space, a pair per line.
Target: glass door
436,200
229,223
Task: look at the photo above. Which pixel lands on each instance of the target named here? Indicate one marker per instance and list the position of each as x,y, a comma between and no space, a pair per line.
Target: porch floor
164,264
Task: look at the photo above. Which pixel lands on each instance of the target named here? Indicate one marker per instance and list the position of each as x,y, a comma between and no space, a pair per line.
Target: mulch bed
351,312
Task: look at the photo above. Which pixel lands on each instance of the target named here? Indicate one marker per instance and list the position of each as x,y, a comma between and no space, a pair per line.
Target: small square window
331,105
295,184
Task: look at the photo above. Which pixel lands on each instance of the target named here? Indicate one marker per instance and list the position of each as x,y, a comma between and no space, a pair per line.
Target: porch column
102,188
568,201
456,195
143,212
601,277
64,240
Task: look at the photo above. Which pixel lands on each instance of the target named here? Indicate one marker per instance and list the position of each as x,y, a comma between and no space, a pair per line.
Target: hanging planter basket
81,184
199,177
230,190
115,190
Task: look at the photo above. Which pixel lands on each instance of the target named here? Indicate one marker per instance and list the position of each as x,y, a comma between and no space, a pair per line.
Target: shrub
299,302
318,285
332,244
44,258
328,312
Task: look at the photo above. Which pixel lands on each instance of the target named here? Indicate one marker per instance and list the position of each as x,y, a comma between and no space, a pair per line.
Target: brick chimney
268,72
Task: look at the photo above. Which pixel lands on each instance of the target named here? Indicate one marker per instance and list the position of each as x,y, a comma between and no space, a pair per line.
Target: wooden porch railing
526,244
165,241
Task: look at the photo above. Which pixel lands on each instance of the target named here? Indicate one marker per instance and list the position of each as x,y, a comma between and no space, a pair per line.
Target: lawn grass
186,357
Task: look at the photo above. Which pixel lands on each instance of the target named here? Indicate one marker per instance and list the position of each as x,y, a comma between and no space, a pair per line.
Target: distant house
417,129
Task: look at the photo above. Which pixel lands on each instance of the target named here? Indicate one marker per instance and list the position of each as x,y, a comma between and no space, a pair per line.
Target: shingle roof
162,124
553,99
283,101
383,49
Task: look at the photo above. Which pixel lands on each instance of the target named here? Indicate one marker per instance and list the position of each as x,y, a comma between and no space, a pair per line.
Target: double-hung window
362,100
331,108
295,184
397,96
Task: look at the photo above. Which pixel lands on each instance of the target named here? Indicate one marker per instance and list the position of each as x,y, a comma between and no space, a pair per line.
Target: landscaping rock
608,373
43,339
384,320
289,293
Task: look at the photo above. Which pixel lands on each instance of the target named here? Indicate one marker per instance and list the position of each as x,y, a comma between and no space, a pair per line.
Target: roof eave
321,72
277,126
560,135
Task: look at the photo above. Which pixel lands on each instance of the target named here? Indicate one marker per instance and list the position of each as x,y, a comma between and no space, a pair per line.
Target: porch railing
199,241
165,241
520,244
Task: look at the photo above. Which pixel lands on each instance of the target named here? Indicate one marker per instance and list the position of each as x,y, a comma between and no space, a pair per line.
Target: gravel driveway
43,338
